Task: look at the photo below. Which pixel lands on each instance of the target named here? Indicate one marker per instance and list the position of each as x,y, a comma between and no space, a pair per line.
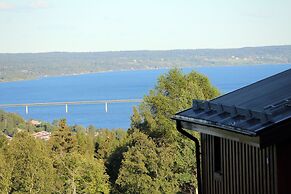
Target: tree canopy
151,157
173,92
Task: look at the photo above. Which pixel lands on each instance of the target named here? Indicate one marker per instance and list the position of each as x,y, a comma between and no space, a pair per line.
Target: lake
113,85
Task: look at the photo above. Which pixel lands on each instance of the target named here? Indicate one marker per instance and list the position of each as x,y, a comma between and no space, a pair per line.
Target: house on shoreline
245,142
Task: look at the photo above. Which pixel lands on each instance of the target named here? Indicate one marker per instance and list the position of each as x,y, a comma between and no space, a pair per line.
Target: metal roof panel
248,110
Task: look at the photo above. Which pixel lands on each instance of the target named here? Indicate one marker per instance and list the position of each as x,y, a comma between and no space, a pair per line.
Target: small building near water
44,135
34,122
245,141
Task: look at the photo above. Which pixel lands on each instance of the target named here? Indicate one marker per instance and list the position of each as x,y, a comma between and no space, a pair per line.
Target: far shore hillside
25,66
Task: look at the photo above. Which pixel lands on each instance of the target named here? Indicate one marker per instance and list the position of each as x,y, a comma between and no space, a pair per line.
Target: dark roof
249,110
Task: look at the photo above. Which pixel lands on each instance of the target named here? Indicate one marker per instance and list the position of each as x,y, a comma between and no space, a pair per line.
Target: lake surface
113,85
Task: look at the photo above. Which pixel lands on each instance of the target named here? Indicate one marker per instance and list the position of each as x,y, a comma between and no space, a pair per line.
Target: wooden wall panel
245,169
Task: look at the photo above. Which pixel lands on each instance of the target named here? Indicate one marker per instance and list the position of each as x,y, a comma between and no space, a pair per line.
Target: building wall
284,167
244,169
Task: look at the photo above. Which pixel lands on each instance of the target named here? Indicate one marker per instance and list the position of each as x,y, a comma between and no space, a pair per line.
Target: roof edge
214,131
215,125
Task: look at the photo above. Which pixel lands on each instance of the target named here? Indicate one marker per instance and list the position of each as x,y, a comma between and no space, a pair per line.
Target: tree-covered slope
21,66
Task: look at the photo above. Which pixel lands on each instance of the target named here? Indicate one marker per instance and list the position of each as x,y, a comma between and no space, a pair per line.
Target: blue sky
112,25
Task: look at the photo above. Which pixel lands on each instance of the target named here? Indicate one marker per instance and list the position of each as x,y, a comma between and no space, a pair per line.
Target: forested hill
21,66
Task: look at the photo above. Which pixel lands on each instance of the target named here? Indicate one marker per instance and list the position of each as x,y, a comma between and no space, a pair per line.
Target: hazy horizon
104,51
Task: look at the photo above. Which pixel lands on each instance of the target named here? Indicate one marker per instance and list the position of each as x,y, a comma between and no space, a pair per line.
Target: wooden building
245,138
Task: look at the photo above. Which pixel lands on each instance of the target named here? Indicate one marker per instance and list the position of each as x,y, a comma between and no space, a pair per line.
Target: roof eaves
214,124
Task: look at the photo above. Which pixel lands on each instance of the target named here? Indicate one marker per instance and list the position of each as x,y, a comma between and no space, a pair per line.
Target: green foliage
3,141
78,128
45,126
91,176
80,174
91,130
62,139
10,122
146,168
32,169
174,92
110,145
151,157
107,141
85,143
5,173
64,164
77,170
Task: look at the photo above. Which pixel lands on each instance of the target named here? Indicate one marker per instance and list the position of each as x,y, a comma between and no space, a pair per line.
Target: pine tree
62,140
32,168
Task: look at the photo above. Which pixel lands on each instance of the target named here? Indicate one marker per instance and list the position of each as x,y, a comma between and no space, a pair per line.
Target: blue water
113,85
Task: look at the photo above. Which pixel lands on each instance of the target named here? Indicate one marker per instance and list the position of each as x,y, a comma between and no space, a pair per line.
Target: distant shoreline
32,66
129,70
113,85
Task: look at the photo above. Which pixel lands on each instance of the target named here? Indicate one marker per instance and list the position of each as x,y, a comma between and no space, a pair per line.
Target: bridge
67,103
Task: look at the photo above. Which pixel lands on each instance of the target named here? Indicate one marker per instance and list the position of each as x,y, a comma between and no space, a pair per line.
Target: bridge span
67,103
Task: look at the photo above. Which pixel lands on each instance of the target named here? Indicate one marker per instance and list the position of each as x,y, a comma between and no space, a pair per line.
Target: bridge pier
26,109
67,108
106,107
